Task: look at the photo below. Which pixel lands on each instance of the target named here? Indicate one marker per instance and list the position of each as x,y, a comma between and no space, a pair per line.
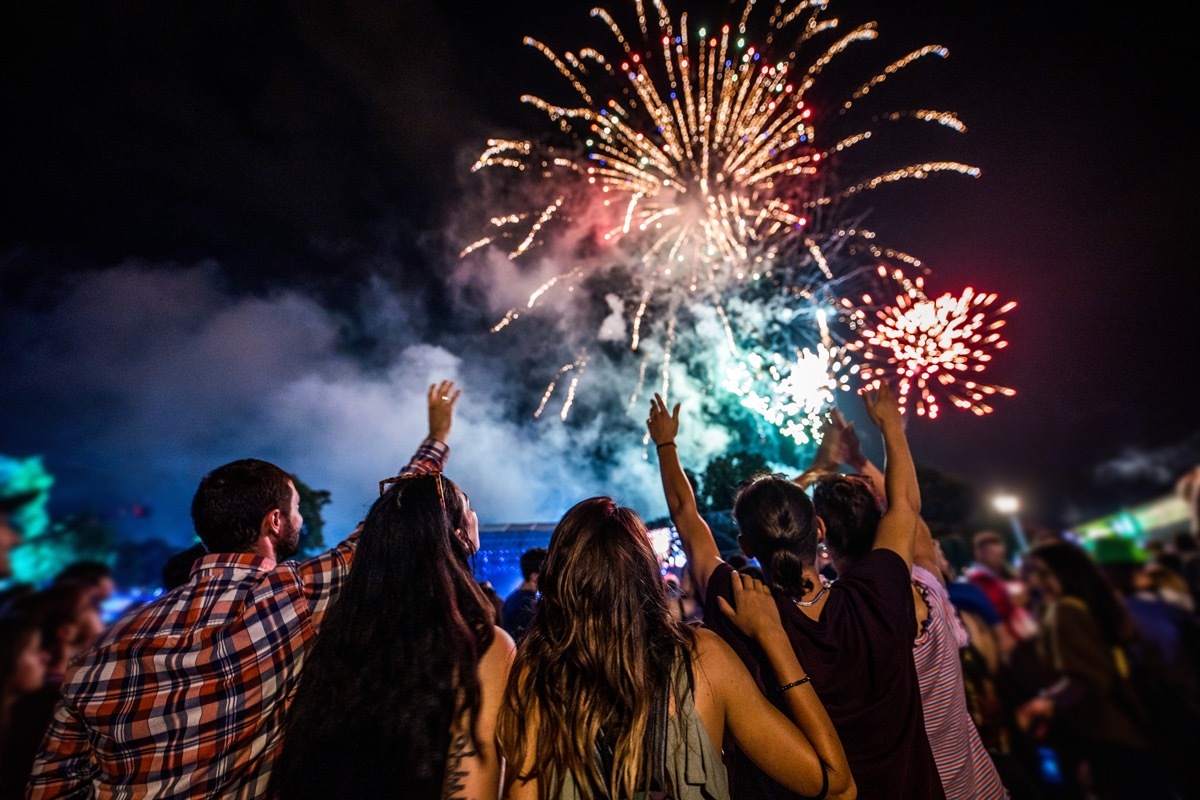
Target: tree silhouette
723,475
312,534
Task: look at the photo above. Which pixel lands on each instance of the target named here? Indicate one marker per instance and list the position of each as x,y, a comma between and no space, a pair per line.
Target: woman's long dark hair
777,519
600,662
393,668
1082,578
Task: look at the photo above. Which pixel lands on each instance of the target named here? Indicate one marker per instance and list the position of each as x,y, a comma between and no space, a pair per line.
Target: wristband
793,684
664,444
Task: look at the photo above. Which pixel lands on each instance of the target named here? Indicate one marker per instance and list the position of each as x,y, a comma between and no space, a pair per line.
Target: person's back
163,688
854,637
964,766
859,655
567,732
185,697
402,687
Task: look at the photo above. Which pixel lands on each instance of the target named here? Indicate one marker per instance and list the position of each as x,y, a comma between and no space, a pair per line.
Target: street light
1010,506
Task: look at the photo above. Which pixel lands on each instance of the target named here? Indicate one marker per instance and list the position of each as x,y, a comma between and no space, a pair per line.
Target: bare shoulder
714,657
499,655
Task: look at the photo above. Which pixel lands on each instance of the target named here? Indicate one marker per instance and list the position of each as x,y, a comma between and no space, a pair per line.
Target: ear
271,525
461,535
746,548
820,530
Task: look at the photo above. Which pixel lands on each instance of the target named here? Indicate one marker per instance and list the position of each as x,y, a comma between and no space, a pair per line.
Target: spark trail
708,168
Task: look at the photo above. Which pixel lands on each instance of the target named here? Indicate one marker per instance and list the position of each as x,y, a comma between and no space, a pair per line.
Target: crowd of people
847,651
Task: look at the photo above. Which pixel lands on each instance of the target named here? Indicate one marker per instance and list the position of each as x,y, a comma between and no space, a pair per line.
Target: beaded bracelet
793,684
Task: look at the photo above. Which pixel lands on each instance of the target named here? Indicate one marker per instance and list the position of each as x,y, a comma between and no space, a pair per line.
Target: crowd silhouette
850,649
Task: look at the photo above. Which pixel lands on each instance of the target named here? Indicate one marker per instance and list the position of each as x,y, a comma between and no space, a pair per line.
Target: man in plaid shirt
186,697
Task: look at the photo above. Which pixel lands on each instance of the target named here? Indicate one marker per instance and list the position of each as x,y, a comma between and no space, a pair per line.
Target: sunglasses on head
387,483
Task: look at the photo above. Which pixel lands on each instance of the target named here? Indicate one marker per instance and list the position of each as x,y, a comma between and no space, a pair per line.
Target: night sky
231,230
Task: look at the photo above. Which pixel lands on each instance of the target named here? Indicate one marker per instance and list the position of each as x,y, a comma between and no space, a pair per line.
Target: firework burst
933,348
705,165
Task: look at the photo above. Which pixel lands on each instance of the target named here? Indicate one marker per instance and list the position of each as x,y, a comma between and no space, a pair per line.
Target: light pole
1010,505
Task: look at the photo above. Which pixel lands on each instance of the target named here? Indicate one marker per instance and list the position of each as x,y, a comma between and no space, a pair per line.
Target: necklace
824,588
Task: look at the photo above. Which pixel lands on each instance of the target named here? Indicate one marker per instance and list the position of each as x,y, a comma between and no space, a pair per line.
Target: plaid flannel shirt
186,696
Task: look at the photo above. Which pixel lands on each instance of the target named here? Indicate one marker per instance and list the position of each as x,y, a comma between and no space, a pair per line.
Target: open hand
882,406
663,426
754,611
442,397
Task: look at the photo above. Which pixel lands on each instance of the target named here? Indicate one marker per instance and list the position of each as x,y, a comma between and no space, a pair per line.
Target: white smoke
141,378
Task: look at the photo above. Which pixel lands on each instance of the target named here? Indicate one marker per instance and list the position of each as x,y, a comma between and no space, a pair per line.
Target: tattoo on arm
462,749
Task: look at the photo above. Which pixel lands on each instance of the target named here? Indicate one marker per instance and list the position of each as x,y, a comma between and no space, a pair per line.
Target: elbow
679,507
842,789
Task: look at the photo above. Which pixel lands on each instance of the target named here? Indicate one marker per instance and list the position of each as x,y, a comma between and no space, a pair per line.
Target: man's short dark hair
532,561
229,505
87,572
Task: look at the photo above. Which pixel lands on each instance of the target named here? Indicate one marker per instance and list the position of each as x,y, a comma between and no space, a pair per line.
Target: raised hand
882,406
663,426
849,447
442,397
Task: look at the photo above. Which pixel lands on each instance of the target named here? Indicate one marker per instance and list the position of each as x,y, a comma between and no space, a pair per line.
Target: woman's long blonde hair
600,662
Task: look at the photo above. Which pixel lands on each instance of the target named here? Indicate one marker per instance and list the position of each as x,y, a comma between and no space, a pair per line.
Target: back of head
178,568
394,665
231,501
850,510
531,562
87,573
777,520
602,657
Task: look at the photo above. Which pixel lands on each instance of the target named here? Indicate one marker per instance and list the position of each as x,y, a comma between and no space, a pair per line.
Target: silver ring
445,397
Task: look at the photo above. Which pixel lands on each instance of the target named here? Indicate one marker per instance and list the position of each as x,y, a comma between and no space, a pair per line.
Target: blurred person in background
1187,543
520,605
178,568
992,571
95,576
496,601
1092,715
22,673
69,622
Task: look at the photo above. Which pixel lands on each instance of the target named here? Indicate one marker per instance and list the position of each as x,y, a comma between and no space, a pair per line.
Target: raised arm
851,454
323,575
432,453
699,546
828,456
899,526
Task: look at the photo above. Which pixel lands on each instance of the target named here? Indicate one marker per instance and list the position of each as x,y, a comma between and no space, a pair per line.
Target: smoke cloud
141,378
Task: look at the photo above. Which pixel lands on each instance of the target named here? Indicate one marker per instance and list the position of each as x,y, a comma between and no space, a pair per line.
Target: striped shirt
185,697
963,764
